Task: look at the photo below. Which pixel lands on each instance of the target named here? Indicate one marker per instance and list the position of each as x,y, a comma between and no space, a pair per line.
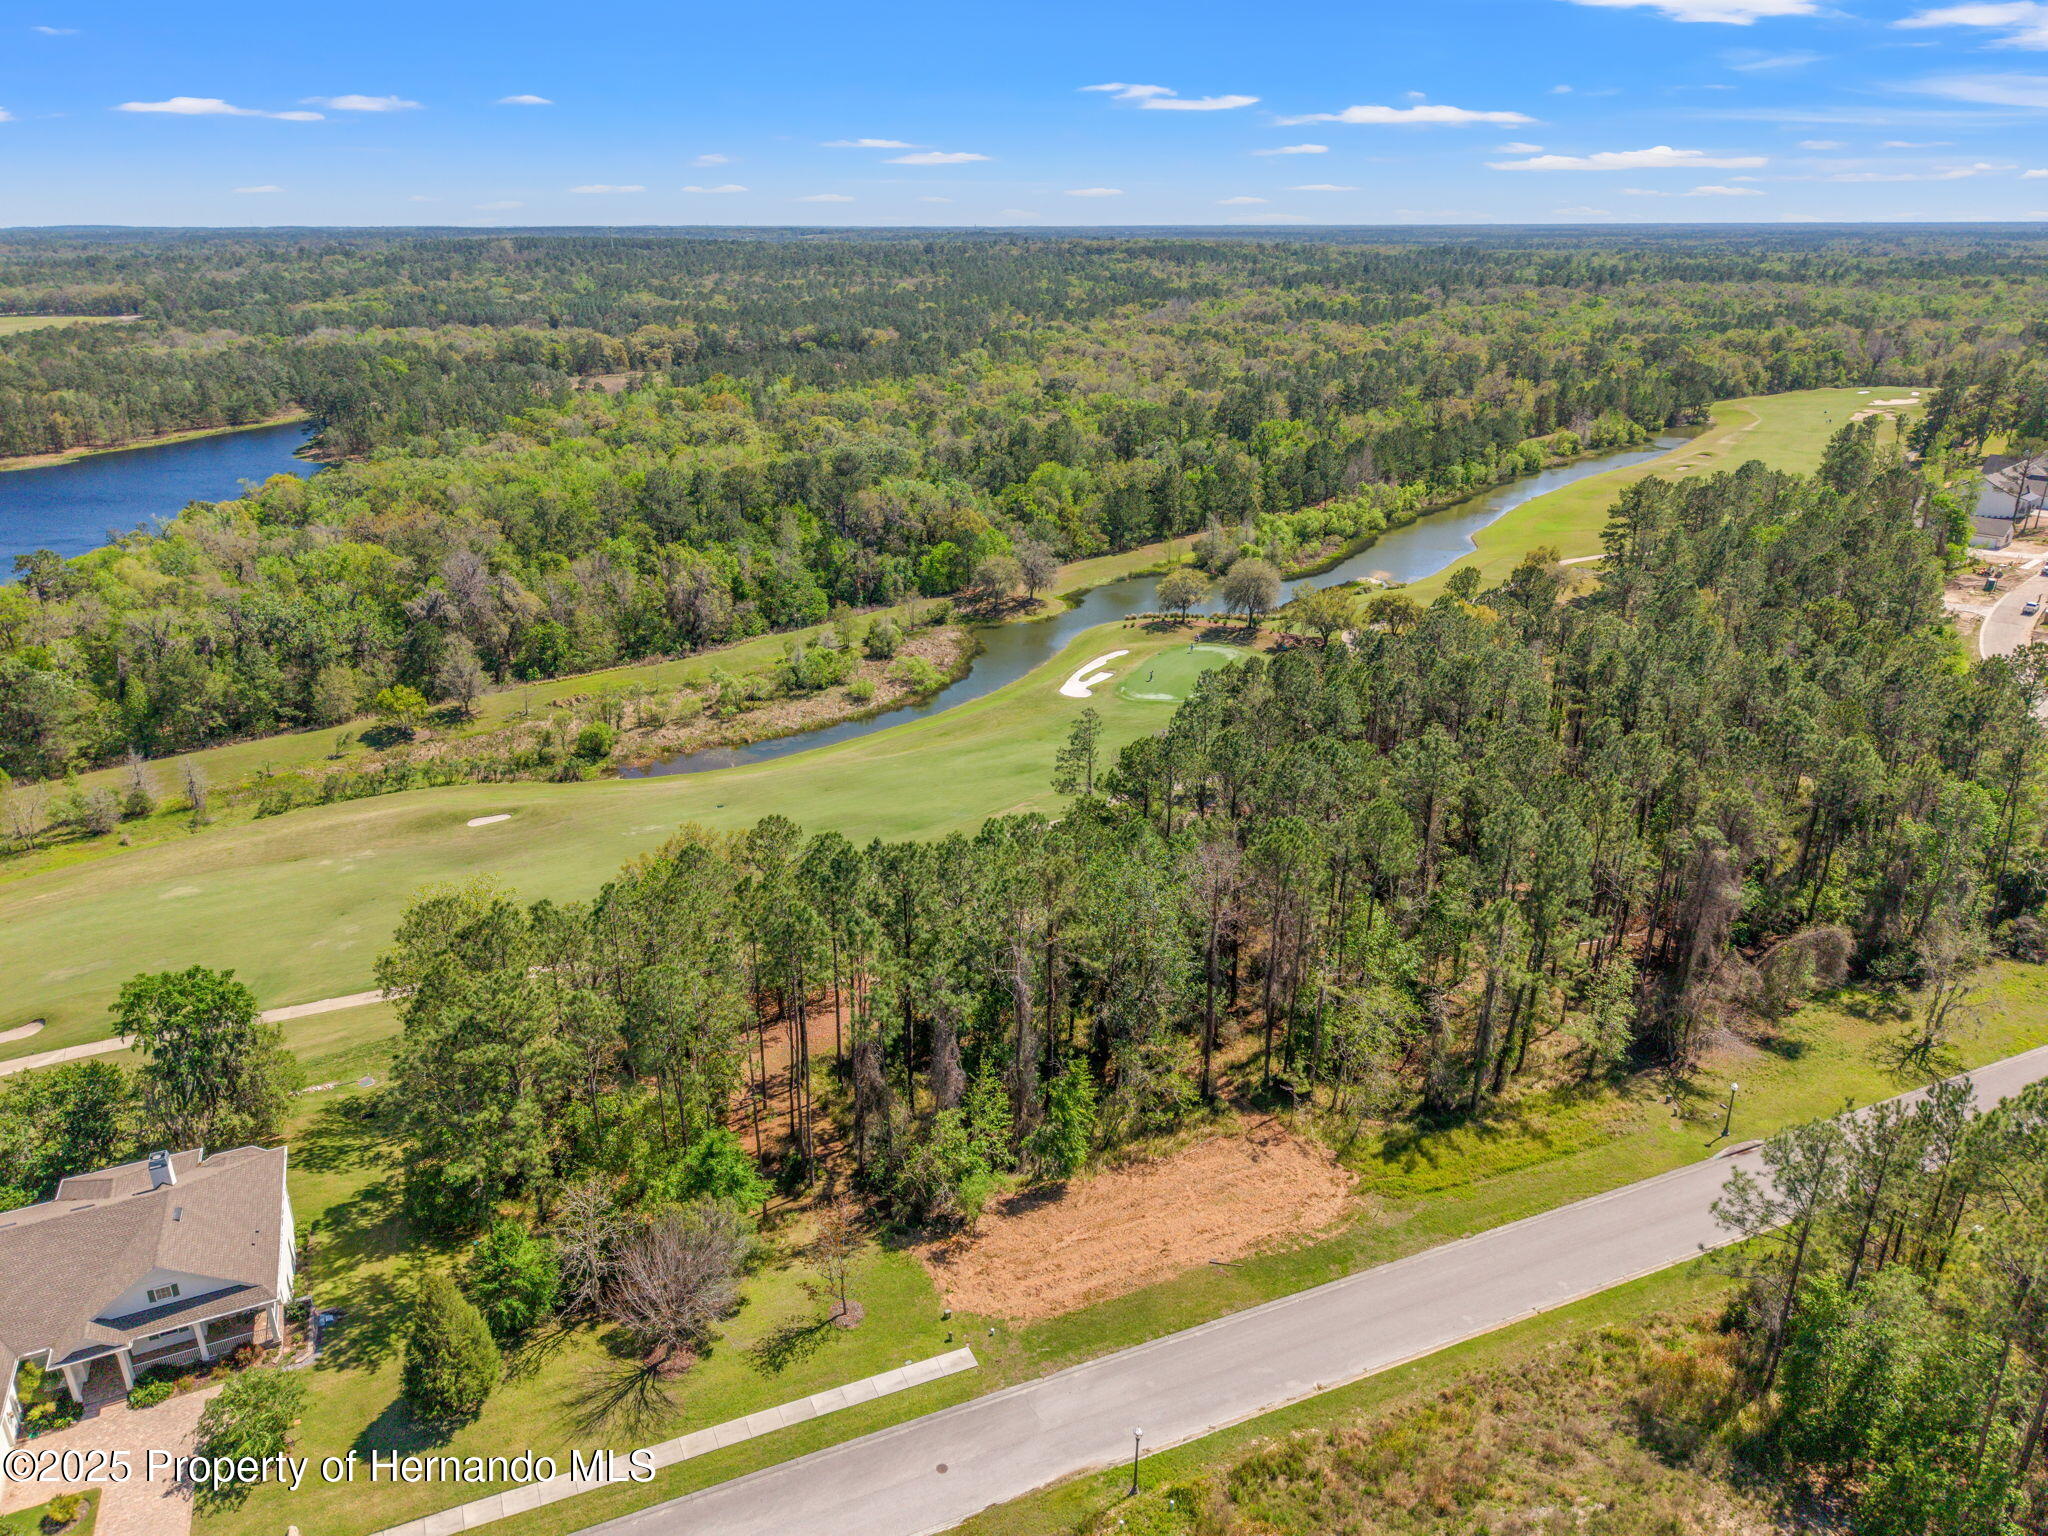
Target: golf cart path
931,1473
120,1042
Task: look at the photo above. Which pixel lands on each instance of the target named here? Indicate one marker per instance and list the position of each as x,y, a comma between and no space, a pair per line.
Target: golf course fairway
299,905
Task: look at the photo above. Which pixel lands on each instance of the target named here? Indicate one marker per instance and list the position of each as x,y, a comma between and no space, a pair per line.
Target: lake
1008,651
77,506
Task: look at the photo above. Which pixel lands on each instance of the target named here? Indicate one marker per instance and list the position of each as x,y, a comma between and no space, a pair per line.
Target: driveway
931,1473
133,1508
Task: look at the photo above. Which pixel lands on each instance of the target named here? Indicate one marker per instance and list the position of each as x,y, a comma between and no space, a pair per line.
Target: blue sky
1050,113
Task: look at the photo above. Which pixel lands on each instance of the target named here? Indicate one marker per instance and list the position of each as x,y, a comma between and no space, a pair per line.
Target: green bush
451,1362
63,1510
861,689
252,1415
882,640
513,1278
149,1393
917,674
595,741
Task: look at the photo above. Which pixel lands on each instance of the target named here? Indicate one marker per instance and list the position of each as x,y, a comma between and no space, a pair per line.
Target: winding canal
1008,651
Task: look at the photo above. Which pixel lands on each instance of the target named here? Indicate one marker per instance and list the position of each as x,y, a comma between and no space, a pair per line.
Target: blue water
1008,651
78,506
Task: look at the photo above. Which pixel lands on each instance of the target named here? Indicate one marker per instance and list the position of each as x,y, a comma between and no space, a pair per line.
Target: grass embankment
1417,1188
160,440
298,905
1788,432
12,324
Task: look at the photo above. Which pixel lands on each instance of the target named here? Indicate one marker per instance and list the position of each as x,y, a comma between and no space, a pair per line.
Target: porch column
127,1369
276,1310
199,1337
74,1383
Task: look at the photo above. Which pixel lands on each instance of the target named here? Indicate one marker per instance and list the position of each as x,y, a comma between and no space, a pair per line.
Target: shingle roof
64,1261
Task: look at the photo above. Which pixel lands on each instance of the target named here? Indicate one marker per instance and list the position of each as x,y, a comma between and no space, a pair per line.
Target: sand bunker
1078,686
485,821
1224,1198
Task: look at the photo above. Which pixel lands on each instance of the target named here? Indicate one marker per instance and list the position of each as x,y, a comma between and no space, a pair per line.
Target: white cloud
1322,186
1660,157
497,207
363,103
1581,213
2024,22
524,100
2034,175
937,157
421,197
1095,191
825,197
866,144
1125,92
600,187
211,106
1560,90
712,160
1517,147
1990,90
56,31
1427,115
1295,149
1017,213
1917,143
1749,60
1738,13
1268,218
1951,173
730,186
1822,144
1720,191
256,191
6,116
1199,104
1226,202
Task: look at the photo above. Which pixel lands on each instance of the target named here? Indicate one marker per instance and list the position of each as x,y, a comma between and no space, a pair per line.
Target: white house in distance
169,1260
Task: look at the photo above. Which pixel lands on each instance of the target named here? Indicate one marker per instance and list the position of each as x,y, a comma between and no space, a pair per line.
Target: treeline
1892,1332
1496,837
1284,398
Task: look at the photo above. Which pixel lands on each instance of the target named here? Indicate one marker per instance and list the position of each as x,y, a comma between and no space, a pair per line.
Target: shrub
716,1166
882,640
861,689
917,674
252,1415
595,741
149,1393
451,1363
513,1278
63,1510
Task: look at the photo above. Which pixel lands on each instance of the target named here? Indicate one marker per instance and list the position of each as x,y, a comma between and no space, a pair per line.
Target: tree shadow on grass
788,1343
536,1351
348,1132
629,1396
398,1429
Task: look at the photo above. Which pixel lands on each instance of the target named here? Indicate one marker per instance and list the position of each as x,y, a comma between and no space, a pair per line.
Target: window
162,1292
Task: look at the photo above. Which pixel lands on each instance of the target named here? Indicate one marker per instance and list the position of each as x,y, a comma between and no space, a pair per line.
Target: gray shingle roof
63,1262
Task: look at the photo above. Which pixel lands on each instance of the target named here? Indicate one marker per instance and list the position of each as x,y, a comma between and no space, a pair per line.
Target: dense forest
799,427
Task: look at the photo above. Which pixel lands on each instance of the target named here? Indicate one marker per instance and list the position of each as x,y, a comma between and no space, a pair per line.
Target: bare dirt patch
1037,1256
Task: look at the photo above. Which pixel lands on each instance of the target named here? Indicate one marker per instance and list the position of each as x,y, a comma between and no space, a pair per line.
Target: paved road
2007,627
929,1474
120,1042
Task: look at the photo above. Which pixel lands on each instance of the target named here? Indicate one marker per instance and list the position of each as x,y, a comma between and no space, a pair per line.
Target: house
166,1261
2008,499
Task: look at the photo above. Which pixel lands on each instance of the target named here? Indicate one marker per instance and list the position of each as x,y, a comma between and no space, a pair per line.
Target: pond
84,503
1008,651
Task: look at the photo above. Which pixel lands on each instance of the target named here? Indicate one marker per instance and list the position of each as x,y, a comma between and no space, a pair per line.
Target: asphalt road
2007,627
931,1473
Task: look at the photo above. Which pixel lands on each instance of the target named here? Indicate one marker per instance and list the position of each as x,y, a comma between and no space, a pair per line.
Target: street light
1728,1124
1137,1439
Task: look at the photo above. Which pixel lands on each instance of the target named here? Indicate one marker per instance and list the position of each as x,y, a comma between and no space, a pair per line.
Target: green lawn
29,1522
298,905
11,324
1788,431
1170,676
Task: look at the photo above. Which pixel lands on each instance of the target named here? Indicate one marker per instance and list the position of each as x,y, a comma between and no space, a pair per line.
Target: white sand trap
22,1031
485,821
1903,400
1079,686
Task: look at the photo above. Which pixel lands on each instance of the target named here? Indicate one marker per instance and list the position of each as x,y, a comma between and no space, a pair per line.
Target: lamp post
1137,1440
1728,1123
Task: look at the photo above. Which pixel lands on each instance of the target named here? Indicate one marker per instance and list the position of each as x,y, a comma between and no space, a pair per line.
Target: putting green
1169,676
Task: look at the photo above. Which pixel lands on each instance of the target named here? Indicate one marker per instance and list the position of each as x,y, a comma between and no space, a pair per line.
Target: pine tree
451,1362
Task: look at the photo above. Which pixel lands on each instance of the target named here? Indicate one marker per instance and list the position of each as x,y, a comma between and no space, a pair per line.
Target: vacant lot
1038,1254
